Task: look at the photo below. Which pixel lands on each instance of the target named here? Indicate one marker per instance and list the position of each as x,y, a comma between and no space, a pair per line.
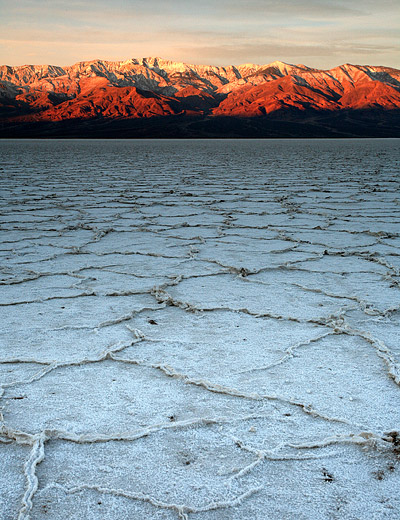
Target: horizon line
194,64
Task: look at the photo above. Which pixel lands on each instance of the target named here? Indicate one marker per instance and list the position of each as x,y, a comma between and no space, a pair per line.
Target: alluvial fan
200,329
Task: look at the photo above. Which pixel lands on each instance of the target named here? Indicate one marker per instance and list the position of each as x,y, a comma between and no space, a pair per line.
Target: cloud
292,8
210,31
267,52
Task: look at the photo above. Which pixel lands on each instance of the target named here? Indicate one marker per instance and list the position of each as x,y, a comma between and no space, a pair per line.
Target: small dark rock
379,475
328,477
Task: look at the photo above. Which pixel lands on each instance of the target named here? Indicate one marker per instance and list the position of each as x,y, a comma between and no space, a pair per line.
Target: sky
317,33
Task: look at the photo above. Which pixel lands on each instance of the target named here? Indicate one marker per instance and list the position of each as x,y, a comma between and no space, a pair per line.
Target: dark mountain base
312,124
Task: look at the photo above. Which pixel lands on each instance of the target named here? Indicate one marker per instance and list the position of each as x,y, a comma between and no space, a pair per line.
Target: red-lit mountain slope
152,87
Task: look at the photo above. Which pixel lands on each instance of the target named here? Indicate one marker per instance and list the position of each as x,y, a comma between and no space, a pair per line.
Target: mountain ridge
152,87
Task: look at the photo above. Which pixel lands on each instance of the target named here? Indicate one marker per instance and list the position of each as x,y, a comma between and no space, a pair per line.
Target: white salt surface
200,330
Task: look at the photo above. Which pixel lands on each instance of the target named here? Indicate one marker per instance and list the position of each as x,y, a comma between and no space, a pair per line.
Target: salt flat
200,330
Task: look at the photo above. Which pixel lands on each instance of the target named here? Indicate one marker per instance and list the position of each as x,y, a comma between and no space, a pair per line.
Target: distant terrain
152,97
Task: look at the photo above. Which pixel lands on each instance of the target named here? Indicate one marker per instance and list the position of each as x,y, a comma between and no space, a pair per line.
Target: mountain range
152,97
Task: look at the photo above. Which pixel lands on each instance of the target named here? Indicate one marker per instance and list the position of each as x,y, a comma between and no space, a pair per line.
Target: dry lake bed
200,330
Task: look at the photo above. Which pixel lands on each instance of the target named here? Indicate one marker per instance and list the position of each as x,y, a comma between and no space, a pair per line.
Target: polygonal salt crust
341,482
199,395
113,396
196,466
69,329
216,345
235,294
331,239
340,373
194,234
368,288
11,373
385,330
137,241
46,287
12,479
53,503
141,265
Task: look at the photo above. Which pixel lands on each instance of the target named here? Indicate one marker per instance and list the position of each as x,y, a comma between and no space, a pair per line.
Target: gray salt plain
200,330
